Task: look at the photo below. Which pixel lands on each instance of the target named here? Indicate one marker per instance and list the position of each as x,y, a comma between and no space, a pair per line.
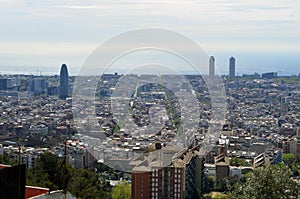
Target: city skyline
150,99
262,128
211,70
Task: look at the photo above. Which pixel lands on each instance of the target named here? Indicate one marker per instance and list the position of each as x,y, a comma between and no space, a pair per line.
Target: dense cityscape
47,150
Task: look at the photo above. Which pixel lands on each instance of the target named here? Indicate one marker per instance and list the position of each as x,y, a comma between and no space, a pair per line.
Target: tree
83,183
122,191
290,160
271,182
4,159
48,172
209,183
234,161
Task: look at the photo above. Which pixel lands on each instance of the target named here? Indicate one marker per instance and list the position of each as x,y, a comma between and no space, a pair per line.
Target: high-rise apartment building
211,66
232,67
169,173
64,82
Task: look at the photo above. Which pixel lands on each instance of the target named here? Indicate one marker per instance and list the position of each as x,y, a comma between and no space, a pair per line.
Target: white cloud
45,48
74,27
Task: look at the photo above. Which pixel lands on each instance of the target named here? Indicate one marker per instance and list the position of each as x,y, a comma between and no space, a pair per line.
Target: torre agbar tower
64,82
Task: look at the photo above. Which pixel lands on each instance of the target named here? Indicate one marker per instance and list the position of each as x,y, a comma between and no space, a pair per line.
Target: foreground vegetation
272,182
51,172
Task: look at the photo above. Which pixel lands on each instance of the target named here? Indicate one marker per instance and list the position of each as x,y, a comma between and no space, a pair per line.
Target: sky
38,36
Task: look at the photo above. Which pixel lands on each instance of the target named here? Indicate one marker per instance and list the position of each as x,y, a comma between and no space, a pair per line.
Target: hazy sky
263,35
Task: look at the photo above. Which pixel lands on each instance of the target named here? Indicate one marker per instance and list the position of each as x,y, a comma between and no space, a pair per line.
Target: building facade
182,178
12,181
222,167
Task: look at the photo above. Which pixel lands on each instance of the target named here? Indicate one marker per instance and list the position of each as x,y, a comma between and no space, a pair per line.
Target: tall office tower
232,67
64,82
211,66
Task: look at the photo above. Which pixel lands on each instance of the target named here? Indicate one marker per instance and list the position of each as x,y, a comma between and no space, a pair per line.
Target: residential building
222,167
270,75
169,173
294,145
78,154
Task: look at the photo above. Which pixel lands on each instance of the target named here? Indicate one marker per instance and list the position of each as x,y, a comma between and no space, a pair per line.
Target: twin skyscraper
212,66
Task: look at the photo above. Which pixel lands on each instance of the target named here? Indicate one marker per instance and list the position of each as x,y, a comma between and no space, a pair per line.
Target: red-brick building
168,173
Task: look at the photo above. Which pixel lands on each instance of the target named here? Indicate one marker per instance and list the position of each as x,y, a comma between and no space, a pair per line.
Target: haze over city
263,36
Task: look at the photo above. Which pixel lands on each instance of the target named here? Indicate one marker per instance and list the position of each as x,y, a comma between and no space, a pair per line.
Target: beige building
294,145
222,167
